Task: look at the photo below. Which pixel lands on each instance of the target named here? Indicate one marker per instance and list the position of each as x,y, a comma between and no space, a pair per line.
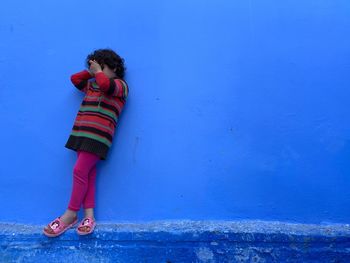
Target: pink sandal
59,227
87,221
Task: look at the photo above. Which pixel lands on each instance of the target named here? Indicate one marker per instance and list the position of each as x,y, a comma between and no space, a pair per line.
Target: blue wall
237,109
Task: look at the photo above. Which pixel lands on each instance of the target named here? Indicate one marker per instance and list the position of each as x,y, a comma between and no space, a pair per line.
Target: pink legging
84,178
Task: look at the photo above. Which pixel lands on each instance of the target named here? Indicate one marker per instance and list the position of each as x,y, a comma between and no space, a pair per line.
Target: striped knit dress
97,119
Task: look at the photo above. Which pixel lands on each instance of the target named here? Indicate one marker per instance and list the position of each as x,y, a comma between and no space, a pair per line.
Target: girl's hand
94,67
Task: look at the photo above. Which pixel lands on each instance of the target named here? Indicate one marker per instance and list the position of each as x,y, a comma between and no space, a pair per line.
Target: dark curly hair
109,58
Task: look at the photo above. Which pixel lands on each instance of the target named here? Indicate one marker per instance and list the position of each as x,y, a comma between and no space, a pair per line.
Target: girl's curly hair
109,58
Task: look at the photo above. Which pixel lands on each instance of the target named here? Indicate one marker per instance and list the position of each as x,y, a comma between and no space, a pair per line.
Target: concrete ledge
180,241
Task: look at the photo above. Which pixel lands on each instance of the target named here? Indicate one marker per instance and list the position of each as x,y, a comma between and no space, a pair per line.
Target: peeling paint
205,255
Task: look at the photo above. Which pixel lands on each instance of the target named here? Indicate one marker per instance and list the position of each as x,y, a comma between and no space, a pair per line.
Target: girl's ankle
89,212
71,212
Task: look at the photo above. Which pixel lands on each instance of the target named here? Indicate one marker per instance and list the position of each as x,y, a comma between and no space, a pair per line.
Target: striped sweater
97,119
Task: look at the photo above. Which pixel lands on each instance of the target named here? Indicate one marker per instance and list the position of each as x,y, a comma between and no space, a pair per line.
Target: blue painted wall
237,109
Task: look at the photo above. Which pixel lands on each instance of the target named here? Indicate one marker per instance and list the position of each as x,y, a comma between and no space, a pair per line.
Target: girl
92,134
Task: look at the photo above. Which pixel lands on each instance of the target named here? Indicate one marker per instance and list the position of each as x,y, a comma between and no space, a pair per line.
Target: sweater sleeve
80,80
112,87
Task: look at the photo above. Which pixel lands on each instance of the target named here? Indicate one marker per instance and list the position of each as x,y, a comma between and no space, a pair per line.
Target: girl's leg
85,163
89,199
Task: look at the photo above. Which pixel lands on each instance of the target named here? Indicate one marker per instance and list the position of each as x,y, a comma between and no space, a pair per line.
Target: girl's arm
110,86
80,80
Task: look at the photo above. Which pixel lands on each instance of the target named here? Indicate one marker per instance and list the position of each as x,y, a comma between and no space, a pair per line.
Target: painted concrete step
180,241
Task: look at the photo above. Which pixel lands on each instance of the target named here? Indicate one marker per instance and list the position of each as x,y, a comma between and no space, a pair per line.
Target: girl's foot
86,226
67,218
89,212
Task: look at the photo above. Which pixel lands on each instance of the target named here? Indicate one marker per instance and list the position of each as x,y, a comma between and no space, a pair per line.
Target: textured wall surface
181,242
237,109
